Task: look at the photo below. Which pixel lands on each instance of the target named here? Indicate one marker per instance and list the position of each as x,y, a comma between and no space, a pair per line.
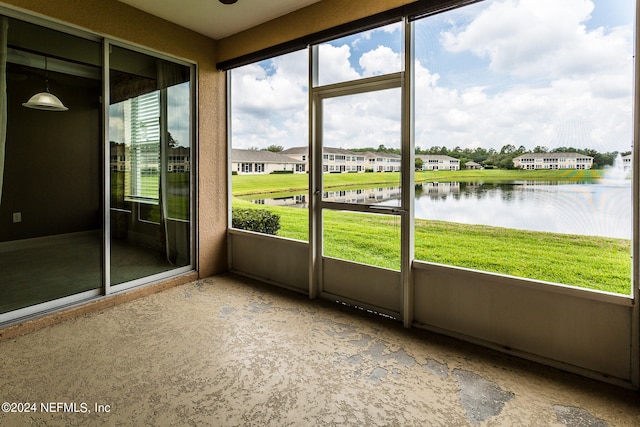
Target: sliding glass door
80,212
149,143
50,168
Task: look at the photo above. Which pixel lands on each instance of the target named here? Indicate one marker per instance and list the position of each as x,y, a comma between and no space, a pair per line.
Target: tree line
503,159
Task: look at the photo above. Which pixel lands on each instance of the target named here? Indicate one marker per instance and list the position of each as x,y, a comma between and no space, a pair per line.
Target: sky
521,72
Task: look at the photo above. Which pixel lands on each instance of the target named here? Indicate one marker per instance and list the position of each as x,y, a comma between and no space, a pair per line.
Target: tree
541,149
508,149
274,148
418,164
506,163
456,152
171,141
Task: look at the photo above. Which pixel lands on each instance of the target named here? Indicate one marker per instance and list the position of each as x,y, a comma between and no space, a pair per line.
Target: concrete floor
226,351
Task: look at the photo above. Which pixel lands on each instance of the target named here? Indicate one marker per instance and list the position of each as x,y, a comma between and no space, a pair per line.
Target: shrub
258,220
281,172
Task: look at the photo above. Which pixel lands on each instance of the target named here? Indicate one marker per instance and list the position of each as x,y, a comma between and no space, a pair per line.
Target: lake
598,208
591,209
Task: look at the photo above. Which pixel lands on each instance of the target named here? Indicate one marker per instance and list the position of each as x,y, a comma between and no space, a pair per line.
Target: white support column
106,170
315,178
635,318
408,177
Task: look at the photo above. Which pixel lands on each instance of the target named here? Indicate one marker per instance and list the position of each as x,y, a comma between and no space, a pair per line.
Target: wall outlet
17,217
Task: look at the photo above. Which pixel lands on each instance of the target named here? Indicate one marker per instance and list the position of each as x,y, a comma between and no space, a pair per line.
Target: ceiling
214,19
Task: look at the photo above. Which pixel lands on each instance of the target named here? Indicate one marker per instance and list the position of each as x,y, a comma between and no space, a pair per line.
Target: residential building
383,162
255,162
338,160
553,161
473,165
627,162
335,160
439,162
179,159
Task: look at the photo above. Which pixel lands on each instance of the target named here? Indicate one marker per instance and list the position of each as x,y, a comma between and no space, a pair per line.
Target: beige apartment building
553,161
257,162
432,162
338,160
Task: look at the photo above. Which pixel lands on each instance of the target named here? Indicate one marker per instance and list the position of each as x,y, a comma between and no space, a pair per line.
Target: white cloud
562,85
116,122
562,114
257,91
270,105
547,80
381,60
548,38
387,29
334,64
179,120
364,120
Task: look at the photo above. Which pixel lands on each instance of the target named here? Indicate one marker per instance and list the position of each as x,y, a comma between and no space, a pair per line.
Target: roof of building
332,150
179,150
261,156
436,157
325,150
381,154
296,150
472,163
571,155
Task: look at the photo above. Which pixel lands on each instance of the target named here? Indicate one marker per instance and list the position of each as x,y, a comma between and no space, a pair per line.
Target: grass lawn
589,262
177,195
584,261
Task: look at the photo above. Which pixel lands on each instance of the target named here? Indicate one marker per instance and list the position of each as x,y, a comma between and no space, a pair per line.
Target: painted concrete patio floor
226,351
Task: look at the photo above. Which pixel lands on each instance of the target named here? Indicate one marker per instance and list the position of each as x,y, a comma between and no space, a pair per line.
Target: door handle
388,208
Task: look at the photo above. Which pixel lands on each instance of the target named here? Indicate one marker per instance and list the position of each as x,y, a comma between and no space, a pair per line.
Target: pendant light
45,100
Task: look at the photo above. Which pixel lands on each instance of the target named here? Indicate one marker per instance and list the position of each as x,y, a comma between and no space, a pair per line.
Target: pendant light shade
45,100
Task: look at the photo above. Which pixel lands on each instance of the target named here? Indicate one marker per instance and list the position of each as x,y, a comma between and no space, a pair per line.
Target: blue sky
522,72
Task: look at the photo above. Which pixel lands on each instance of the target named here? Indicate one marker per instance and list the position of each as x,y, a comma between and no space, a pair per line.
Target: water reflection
377,195
596,208
591,209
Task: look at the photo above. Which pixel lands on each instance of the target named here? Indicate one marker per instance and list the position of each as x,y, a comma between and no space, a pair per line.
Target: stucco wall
114,19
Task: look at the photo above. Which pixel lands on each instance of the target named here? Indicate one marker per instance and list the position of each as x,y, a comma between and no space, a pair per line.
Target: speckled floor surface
226,351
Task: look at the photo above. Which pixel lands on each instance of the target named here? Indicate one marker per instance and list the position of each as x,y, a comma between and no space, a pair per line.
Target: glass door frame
317,94
108,43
